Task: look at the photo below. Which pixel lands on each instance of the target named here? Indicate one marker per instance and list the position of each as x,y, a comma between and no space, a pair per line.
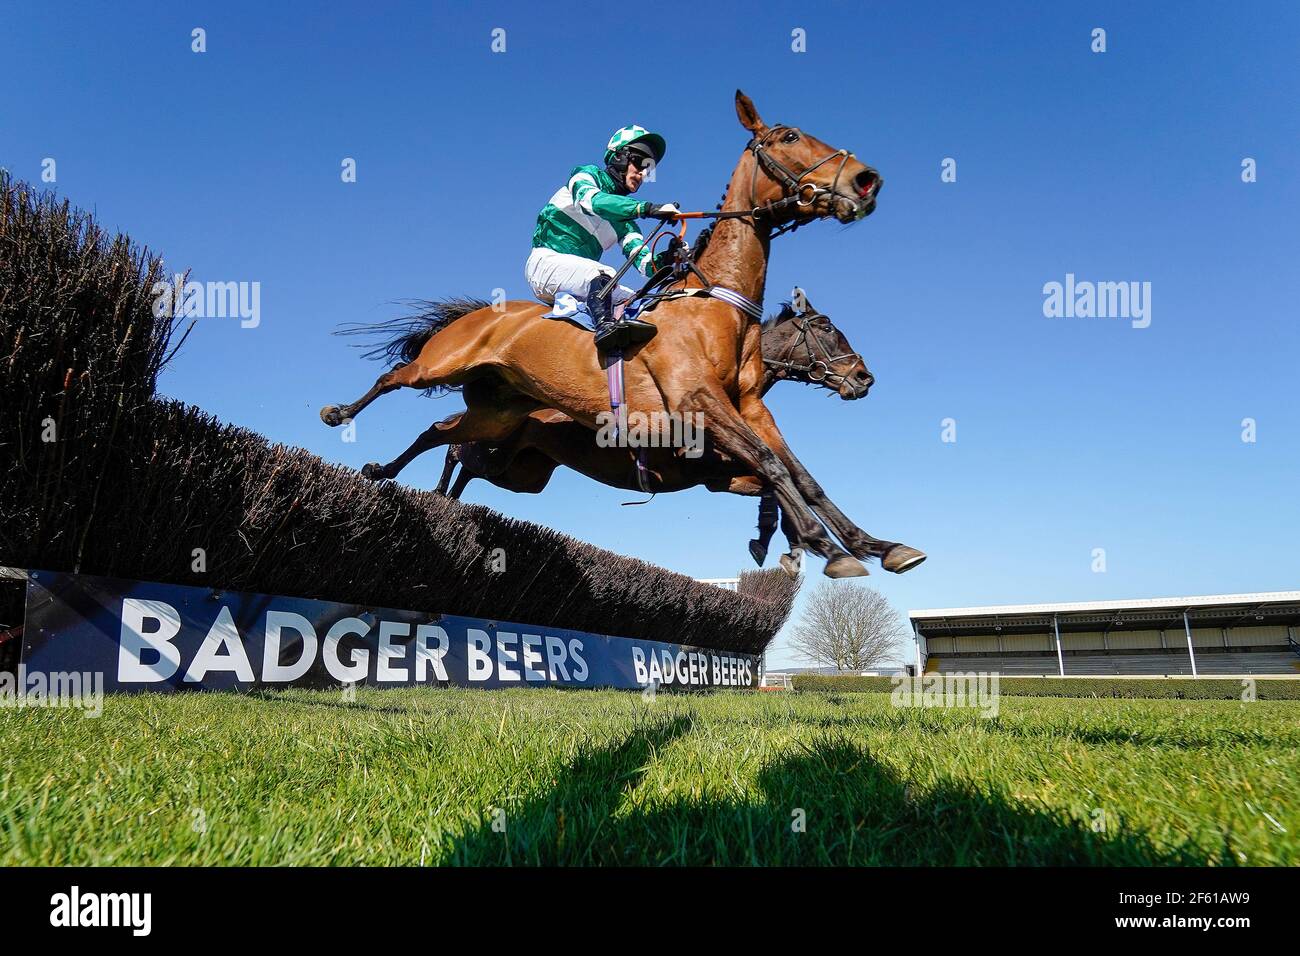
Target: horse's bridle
799,194
792,182
817,369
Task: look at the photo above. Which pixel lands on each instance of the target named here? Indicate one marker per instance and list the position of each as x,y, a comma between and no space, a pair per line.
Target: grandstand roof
1275,607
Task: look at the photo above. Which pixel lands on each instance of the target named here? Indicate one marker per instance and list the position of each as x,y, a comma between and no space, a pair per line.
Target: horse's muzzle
867,185
856,385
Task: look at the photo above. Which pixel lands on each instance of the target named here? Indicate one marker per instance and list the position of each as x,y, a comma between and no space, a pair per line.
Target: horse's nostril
867,182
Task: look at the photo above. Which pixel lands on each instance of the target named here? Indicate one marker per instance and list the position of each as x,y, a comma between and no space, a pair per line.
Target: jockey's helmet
628,141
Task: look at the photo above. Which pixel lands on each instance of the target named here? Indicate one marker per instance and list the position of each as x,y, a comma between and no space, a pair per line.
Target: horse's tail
398,341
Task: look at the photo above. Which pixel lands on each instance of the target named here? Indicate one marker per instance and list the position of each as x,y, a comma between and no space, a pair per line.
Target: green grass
414,776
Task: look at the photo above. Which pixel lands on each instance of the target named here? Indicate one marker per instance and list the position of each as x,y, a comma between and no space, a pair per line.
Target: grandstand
1212,635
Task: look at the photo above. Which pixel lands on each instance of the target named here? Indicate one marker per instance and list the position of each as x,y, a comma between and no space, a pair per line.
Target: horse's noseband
792,183
815,369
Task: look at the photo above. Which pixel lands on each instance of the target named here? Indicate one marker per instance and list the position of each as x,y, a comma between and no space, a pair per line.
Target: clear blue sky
1072,434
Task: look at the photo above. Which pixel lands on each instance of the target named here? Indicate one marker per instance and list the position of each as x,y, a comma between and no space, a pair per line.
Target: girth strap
723,294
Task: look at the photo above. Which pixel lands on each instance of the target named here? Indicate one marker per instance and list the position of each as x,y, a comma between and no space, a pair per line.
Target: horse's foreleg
768,512
749,486
733,435
893,556
793,560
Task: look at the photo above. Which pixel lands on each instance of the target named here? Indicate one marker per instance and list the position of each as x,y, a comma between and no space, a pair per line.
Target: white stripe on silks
602,230
582,186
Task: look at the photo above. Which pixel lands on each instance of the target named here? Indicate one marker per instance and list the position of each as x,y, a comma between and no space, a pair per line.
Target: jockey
590,213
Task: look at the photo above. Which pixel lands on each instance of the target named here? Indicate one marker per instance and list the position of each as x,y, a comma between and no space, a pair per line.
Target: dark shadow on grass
855,810
575,821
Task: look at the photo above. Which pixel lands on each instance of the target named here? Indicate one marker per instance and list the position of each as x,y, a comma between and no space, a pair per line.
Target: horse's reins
795,188
791,181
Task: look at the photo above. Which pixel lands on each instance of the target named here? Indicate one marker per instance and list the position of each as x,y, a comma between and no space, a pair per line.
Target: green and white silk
587,216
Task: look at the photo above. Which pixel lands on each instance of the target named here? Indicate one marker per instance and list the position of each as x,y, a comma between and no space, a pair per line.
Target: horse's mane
701,242
772,321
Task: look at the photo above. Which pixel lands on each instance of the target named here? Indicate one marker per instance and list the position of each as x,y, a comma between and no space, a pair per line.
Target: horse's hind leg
428,439
463,479
489,422
449,466
393,379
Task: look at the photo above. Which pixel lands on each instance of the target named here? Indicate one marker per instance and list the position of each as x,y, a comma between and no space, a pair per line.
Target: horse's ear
747,114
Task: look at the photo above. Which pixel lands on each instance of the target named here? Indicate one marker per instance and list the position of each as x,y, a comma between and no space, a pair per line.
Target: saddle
569,307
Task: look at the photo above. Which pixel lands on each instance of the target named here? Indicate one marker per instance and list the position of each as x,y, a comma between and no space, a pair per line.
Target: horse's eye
791,137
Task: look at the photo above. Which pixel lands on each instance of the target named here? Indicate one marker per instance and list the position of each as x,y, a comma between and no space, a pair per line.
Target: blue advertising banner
166,637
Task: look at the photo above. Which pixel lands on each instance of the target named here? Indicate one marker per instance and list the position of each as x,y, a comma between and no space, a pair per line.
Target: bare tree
847,627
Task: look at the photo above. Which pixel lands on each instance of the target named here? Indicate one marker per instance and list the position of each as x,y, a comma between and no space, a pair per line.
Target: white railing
728,584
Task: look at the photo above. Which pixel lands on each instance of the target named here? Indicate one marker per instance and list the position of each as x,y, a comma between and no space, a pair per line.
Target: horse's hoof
901,558
331,415
374,471
758,552
845,566
792,563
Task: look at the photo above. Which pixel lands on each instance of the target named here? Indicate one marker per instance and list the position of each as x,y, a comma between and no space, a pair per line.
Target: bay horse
706,358
798,346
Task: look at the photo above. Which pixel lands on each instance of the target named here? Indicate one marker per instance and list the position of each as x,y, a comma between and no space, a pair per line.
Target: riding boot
611,334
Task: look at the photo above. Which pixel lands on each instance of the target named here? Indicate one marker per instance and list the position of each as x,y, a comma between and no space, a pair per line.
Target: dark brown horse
706,359
798,346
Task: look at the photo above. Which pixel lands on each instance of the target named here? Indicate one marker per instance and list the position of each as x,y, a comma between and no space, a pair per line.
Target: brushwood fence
99,475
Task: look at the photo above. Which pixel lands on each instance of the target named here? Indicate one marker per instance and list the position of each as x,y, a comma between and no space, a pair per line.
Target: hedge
1206,688
101,476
